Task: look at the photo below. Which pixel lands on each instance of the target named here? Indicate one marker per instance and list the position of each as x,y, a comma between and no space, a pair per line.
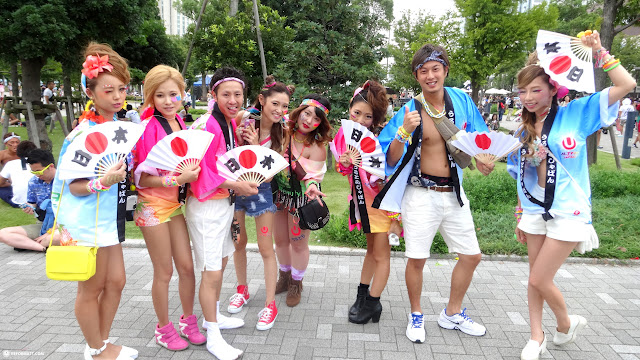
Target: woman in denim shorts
260,125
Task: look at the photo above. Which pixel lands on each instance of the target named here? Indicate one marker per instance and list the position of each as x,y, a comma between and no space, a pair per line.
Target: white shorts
426,211
562,229
209,225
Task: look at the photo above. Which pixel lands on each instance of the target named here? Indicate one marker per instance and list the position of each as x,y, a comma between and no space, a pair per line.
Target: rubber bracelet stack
170,181
518,214
403,135
95,185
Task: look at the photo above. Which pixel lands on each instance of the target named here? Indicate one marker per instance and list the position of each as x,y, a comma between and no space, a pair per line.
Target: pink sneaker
189,329
168,337
237,301
267,317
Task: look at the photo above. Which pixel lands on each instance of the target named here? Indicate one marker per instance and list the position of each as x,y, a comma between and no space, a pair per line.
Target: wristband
518,214
313,182
95,185
394,216
170,181
402,135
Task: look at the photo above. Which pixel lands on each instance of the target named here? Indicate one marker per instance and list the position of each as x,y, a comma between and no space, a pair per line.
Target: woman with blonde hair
105,78
553,184
161,195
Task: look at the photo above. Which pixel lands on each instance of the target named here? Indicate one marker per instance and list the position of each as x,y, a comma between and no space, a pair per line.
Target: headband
359,92
315,103
13,136
94,65
225,80
433,57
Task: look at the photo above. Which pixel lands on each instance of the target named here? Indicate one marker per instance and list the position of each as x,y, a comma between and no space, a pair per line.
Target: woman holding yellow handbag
93,213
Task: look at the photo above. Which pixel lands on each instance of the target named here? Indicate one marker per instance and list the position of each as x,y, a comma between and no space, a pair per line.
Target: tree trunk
66,75
233,8
610,10
203,96
31,69
15,80
474,91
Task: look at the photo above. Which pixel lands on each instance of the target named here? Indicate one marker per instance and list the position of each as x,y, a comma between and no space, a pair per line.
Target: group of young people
422,194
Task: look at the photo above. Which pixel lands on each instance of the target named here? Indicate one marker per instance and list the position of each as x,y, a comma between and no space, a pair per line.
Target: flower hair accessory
562,90
434,56
315,103
94,65
225,80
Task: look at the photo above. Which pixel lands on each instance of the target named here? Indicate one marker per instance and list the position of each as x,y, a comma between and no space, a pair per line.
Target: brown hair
424,53
120,67
526,75
156,77
266,92
321,134
376,96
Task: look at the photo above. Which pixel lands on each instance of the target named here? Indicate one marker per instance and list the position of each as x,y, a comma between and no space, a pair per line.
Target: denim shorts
256,205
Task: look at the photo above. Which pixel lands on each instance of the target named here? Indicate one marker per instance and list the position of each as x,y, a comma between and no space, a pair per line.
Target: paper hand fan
251,163
364,148
95,150
486,147
180,150
566,60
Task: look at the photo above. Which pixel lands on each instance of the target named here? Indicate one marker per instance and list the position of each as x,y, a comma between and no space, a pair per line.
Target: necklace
427,107
545,114
296,139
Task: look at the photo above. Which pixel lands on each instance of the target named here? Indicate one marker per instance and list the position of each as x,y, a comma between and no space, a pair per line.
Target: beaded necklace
428,107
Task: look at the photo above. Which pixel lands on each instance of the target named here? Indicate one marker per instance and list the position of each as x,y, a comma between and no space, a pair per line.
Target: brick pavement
38,322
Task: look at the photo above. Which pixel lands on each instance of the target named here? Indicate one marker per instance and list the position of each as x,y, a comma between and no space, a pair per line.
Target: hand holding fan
179,150
566,60
486,147
95,150
251,163
363,147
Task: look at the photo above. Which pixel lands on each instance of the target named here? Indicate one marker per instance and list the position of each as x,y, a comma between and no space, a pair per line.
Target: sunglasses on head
40,172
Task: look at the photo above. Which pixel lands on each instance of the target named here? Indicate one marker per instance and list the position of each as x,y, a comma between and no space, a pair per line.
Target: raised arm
623,82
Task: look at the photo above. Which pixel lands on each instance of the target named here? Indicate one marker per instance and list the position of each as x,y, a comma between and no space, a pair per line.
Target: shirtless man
427,187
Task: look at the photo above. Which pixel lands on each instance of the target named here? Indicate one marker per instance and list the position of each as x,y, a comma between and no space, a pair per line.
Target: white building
525,5
174,22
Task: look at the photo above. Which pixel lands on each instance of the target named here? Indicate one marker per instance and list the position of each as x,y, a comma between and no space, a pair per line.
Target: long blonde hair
156,77
531,71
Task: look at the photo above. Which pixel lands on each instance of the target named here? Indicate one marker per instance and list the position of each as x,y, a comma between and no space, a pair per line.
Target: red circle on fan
96,143
560,64
179,146
247,159
368,145
483,141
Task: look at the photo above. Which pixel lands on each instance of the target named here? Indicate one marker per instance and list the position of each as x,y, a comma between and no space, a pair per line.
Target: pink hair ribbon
562,90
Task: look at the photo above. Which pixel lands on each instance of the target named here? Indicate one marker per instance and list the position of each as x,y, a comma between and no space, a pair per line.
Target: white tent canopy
494,91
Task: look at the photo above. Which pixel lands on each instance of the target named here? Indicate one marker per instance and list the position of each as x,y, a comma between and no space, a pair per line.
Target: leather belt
441,188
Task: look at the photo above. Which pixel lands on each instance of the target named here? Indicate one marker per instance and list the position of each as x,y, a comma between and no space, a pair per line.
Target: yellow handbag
71,263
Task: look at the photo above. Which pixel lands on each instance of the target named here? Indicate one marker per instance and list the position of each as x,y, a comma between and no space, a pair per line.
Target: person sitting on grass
34,236
15,176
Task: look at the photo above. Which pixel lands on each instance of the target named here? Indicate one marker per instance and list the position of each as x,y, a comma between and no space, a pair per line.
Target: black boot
371,310
363,291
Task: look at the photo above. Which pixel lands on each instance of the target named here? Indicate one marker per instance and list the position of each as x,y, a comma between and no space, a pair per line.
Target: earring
318,137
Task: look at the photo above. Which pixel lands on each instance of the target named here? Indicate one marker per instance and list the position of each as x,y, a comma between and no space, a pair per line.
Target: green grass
616,197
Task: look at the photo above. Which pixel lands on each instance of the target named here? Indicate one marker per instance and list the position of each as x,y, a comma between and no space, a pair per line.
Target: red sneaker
237,301
267,317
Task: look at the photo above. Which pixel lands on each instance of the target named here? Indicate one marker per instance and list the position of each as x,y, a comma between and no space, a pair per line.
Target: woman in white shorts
553,184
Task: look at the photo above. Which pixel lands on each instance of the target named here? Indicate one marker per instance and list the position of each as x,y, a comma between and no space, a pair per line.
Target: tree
495,33
231,41
337,46
411,32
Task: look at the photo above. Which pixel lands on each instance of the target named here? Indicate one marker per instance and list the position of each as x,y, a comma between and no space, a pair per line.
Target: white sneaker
533,350
461,322
415,328
577,323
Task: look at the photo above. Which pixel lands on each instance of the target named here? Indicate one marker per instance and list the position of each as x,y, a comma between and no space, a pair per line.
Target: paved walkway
38,321
605,140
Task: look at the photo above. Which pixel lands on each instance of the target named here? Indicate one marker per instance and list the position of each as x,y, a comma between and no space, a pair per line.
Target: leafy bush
197,112
606,183
489,193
